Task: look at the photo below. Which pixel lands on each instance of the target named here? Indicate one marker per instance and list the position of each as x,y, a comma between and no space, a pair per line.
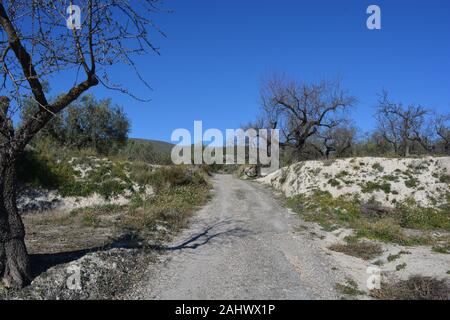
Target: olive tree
38,45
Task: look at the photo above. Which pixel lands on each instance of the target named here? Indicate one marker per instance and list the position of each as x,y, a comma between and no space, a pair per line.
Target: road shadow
222,229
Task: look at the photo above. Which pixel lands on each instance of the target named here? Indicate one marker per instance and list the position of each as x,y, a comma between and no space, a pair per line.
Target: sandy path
242,245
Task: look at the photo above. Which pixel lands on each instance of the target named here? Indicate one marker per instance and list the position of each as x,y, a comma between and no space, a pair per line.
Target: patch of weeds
322,208
378,263
350,288
415,288
444,178
141,173
371,186
331,213
334,183
169,177
387,230
411,215
90,220
172,207
411,182
99,210
393,257
283,176
377,166
390,178
364,249
445,249
315,172
400,266
342,174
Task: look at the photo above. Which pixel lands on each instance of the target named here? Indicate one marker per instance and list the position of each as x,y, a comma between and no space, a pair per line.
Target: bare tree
401,126
299,110
336,141
35,46
442,130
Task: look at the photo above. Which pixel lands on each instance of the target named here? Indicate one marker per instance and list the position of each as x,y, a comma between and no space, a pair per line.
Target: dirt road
242,245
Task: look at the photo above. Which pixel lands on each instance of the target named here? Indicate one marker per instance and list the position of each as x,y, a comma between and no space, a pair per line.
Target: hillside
161,147
384,180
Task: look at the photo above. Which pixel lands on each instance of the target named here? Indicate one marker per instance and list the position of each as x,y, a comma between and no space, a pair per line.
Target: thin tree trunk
14,261
407,149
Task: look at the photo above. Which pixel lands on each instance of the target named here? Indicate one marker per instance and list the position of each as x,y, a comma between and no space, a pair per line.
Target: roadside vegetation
178,191
390,226
414,288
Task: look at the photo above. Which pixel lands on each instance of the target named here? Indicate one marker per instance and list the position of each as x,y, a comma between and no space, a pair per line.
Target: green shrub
385,230
41,170
378,167
141,172
411,215
170,206
342,174
334,183
371,186
411,182
444,178
173,176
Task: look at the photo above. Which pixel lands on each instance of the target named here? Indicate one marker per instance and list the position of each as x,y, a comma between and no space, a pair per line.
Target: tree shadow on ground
207,234
42,262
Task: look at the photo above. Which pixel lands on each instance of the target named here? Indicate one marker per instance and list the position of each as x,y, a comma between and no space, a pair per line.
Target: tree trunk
395,148
14,261
407,149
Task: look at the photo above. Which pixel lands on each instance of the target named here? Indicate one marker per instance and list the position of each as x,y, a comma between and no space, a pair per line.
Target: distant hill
161,147
152,151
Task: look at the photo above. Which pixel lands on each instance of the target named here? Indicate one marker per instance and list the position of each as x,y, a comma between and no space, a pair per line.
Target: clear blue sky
217,51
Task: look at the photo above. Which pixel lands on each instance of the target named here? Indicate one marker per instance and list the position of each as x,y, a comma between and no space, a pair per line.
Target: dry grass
56,231
415,288
364,249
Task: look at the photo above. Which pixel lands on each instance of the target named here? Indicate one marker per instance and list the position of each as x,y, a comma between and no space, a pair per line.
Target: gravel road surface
241,245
